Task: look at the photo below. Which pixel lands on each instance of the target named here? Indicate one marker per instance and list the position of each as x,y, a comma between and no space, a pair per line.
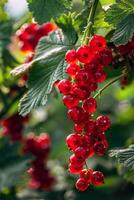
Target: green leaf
49,66
124,31
67,24
44,10
118,11
125,156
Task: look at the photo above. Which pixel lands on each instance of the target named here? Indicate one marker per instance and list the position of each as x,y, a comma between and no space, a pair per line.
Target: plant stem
86,165
107,85
90,22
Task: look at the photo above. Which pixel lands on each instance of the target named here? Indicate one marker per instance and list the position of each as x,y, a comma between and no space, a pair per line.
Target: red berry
100,76
81,185
71,56
70,101
90,126
90,105
97,43
74,141
81,94
80,153
99,148
97,178
82,79
75,169
84,54
76,161
86,175
103,123
78,128
64,86
72,69
76,114
106,57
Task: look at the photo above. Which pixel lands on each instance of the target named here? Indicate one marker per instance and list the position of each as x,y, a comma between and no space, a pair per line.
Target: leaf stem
107,85
90,22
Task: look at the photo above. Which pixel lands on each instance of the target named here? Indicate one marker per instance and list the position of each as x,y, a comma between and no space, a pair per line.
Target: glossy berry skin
84,54
81,184
76,114
97,43
99,148
74,141
72,69
78,128
86,175
97,178
100,76
71,56
103,123
76,161
80,152
90,126
82,79
64,86
81,94
70,101
75,169
90,105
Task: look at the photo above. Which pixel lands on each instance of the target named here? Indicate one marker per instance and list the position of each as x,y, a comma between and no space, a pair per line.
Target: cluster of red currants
13,127
86,69
30,34
39,147
127,49
126,52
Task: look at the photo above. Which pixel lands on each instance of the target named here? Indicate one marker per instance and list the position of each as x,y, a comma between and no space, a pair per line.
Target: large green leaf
118,11
48,66
44,10
124,31
125,156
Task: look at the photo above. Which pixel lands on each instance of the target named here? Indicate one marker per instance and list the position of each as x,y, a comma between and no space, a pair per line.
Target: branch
90,22
107,85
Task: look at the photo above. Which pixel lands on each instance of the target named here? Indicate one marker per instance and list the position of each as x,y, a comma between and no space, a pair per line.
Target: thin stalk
90,22
107,85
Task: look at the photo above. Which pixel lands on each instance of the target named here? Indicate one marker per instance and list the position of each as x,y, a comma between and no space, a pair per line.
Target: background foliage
113,19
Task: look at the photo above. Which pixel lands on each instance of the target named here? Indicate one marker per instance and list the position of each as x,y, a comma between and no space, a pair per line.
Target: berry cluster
30,34
86,69
126,52
39,147
13,126
127,49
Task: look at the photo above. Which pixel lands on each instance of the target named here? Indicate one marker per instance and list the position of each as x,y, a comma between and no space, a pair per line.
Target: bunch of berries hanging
30,34
39,147
126,52
13,126
86,69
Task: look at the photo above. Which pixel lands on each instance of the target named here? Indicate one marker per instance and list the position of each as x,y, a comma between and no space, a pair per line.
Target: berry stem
86,165
90,22
107,85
